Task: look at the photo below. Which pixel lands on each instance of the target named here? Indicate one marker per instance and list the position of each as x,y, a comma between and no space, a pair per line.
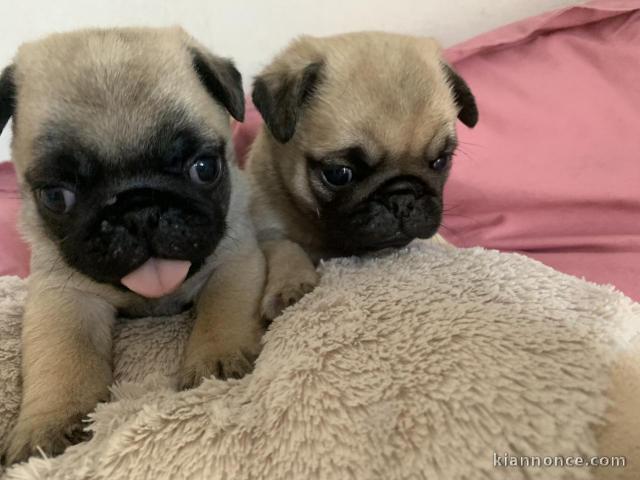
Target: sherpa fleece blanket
426,363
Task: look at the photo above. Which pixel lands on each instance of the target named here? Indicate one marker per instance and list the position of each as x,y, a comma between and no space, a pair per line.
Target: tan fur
621,435
67,326
287,261
379,90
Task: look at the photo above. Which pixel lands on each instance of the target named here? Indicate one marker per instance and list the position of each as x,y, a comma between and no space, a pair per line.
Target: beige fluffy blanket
421,364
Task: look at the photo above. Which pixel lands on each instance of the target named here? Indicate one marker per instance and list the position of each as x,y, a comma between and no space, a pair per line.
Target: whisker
448,207
68,279
451,206
54,264
234,239
471,144
466,154
456,215
450,231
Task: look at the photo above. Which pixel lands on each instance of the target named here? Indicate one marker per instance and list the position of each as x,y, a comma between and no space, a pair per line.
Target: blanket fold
426,363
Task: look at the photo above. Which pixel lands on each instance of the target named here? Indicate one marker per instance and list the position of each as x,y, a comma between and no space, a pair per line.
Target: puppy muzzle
400,197
142,223
398,212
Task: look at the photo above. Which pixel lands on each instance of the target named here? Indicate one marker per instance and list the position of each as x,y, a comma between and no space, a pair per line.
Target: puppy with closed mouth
132,206
357,144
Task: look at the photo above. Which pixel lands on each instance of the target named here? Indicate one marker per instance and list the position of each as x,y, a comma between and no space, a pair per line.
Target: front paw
283,293
49,433
221,361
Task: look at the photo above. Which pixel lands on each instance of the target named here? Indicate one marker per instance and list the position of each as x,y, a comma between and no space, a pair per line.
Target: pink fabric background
551,170
14,253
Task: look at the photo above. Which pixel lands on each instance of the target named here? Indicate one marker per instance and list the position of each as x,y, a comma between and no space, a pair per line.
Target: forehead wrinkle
440,141
63,148
119,135
374,152
407,138
400,113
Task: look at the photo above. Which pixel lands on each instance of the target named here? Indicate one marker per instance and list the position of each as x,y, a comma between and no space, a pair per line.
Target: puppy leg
226,336
66,369
291,274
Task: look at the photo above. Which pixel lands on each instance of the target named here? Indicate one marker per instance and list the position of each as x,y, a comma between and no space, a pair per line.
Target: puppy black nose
401,205
136,209
400,194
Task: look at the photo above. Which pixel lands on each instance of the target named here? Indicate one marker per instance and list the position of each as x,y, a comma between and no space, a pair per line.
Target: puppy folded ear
280,97
465,100
221,79
7,96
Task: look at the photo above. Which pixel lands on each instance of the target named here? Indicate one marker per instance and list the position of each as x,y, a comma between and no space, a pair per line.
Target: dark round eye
440,163
337,175
205,170
57,199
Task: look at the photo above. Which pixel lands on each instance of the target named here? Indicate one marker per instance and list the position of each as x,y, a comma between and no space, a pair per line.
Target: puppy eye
440,163
205,170
337,175
57,199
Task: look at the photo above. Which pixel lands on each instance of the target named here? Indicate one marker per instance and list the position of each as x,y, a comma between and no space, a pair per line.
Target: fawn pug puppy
354,154
132,206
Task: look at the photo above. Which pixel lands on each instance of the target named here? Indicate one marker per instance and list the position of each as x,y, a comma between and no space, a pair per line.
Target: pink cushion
14,253
552,169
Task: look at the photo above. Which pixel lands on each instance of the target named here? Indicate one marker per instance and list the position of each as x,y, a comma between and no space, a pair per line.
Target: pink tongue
157,277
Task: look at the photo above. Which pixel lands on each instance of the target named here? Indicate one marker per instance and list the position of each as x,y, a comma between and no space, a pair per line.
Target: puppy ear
7,96
222,80
465,100
280,97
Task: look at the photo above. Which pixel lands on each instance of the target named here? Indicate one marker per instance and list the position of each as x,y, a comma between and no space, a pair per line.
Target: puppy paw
284,293
223,363
50,433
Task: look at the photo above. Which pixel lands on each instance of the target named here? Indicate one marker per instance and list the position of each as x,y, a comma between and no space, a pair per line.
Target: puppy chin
391,217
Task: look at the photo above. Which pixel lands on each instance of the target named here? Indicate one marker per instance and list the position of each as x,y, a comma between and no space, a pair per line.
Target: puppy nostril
153,219
106,227
402,206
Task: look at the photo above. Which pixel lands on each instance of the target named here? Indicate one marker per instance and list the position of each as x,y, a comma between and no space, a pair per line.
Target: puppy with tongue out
133,207
157,277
